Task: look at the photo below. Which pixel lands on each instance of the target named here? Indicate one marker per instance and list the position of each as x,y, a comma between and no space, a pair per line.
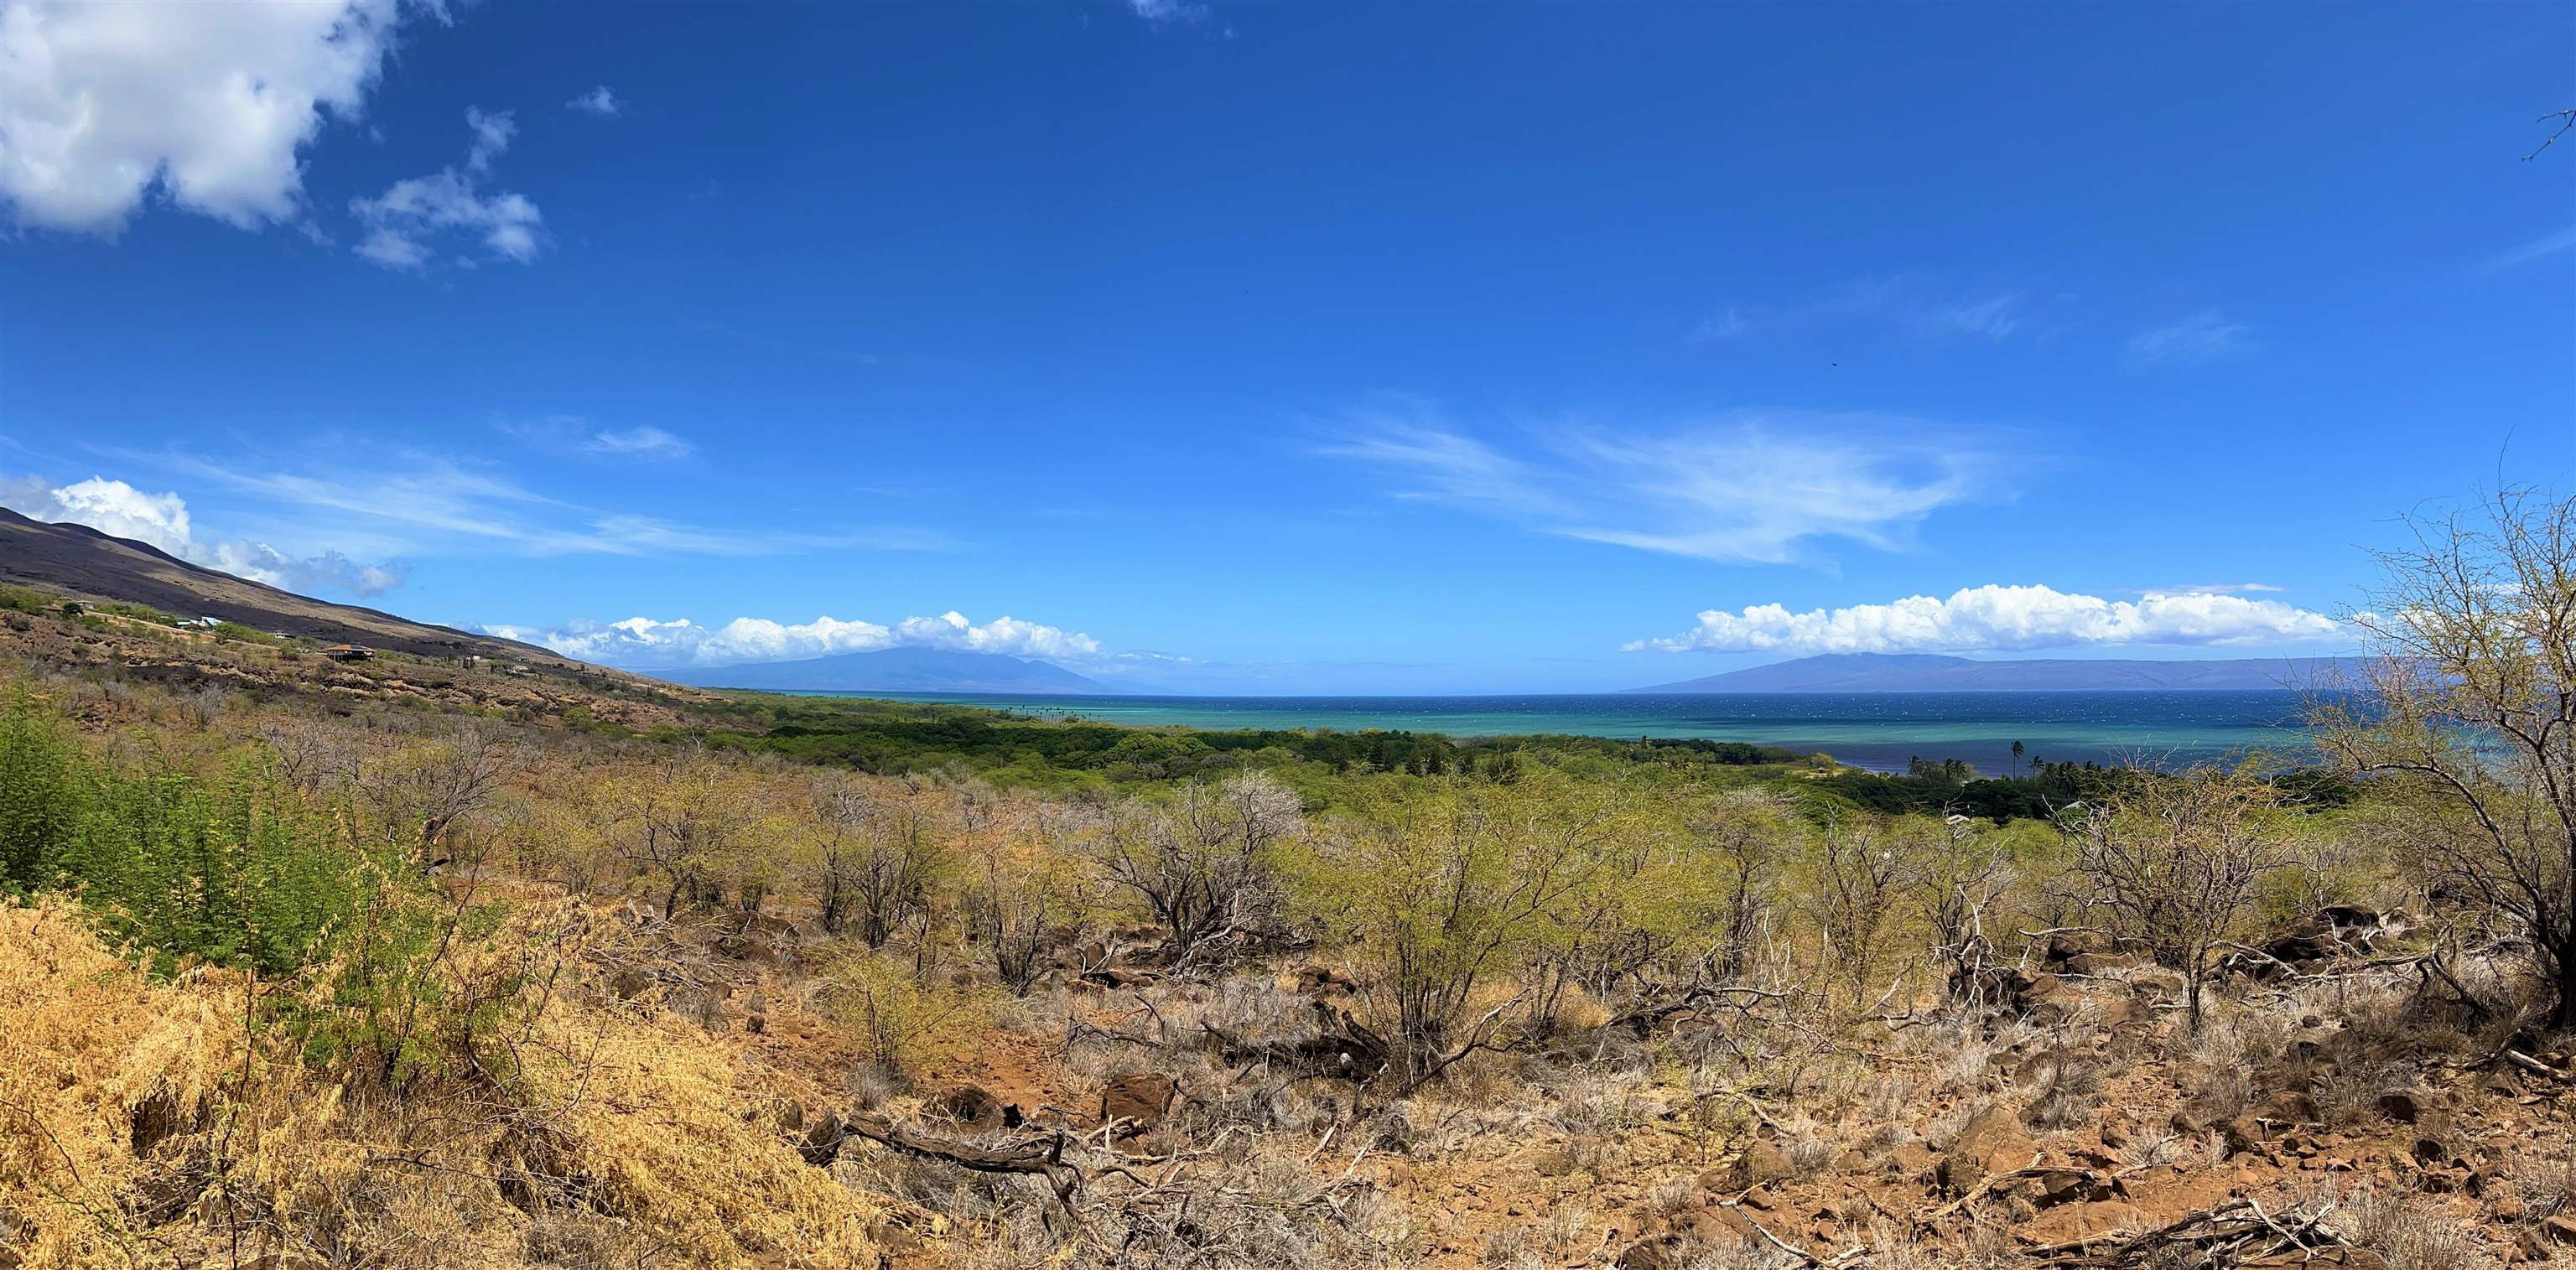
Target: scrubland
298,969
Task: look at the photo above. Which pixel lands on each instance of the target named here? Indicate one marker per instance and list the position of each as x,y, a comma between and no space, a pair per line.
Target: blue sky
1292,347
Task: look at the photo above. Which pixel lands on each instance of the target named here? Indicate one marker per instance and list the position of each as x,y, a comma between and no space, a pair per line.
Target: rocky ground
2336,1107
2346,1099
197,662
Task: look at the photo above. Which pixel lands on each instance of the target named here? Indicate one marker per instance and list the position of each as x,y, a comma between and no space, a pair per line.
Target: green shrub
37,800
138,612
235,867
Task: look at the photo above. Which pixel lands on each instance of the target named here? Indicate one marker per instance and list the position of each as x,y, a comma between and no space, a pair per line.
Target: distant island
894,670
1926,672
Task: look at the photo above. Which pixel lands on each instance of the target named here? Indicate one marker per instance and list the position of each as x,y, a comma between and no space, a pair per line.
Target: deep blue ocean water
1876,730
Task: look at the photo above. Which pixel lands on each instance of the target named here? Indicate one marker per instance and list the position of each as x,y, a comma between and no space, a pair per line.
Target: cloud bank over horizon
648,642
1991,618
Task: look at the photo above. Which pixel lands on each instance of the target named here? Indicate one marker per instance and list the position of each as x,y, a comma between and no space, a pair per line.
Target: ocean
1882,731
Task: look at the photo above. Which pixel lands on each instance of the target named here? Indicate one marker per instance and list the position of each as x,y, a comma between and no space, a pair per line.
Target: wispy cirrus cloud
432,505
1998,619
1159,12
1746,488
651,443
2213,588
2197,340
2537,249
574,434
1436,464
1914,306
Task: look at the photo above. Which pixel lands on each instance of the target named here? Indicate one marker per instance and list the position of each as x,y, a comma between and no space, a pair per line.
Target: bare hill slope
85,564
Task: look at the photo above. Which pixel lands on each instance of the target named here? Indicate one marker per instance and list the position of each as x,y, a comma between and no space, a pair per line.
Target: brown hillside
84,564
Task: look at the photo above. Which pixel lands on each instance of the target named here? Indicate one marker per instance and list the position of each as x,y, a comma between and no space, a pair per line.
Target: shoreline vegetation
1061,755
411,962
1879,731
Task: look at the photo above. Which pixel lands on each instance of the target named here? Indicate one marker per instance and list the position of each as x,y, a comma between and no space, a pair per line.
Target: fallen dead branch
2238,1232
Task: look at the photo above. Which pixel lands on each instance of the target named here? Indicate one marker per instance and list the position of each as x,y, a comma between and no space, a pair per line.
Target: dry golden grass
83,1042
145,1121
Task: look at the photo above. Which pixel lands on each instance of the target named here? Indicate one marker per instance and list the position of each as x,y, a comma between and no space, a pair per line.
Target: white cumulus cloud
492,134
406,224
644,641
598,101
1998,619
103,103
161,520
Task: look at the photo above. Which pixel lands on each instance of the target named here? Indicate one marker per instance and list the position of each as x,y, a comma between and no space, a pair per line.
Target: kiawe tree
2466,718
1443,891
2174,861
1201,863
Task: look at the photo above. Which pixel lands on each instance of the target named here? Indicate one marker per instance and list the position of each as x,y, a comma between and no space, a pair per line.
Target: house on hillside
348,652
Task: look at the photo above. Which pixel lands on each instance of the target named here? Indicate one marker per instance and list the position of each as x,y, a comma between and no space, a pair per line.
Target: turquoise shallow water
1878,730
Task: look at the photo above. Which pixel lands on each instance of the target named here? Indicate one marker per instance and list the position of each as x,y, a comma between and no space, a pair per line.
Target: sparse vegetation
326,971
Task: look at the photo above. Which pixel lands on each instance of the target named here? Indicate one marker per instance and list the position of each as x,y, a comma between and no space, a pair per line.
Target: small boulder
2066,945
2241,1135
2099,963
2288,1109
1142,1099
2405,1106
1551,1162
1762,1162
823,1139
2067,1186
1663,1252
1318,980
1992,1142
969,1105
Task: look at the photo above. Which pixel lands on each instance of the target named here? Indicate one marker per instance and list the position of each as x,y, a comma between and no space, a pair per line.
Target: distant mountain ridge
894,670
1928,672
